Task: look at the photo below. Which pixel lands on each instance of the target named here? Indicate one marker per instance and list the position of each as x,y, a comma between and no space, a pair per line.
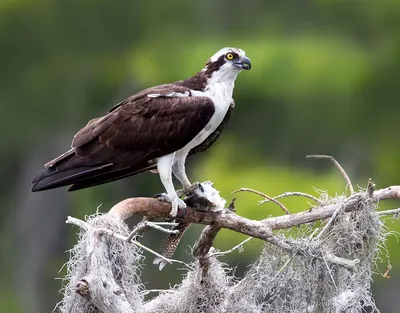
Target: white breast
221,95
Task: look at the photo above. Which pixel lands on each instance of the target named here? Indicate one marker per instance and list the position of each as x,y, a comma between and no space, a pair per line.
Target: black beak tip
246,63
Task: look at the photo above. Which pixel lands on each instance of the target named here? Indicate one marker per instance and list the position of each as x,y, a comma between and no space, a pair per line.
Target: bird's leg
179,171
164,167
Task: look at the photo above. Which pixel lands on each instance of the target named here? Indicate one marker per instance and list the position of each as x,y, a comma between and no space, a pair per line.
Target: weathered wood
99,285
259,229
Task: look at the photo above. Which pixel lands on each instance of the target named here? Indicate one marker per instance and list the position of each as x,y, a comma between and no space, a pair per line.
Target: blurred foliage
324,80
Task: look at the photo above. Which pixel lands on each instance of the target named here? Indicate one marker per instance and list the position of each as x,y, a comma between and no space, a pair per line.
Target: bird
155,129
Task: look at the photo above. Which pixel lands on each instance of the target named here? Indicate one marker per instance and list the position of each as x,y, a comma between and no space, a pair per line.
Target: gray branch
99,285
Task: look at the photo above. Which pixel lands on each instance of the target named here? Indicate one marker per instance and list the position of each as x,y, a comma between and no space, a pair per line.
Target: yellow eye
229,56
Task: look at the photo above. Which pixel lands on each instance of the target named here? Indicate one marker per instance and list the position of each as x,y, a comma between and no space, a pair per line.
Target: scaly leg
179,171
164,167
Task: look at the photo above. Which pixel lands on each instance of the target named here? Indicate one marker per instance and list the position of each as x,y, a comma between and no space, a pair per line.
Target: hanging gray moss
306,279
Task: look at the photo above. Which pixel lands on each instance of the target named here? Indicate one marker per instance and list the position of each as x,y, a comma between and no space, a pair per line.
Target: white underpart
219,90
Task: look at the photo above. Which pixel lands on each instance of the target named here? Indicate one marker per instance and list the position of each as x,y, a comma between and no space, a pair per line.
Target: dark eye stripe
235,55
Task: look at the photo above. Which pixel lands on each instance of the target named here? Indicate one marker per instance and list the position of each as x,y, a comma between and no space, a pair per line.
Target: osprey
155,129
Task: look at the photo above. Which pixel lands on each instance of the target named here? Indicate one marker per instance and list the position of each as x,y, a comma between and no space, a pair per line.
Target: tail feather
69,169
106,177
50,179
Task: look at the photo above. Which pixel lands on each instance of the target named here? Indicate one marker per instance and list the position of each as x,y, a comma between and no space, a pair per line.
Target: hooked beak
243,63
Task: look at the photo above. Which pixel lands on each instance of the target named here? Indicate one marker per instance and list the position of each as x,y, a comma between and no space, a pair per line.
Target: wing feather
134,133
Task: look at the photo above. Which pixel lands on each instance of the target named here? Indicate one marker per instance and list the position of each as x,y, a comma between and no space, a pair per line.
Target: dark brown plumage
100,154
148,127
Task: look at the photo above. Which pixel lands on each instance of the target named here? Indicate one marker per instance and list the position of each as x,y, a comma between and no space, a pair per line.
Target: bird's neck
221,89
223,77
204,80
222,82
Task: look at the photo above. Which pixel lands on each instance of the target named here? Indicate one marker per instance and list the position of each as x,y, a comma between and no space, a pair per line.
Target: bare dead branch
350,264
146,292
205,241
258,229
265,197
338,166
86,226
239,246
392,192
291,194
333,218
395,212
107,297
144,225
77,222
98,285
370,187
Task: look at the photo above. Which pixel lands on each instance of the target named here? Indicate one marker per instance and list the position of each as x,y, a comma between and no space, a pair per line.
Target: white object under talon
207,190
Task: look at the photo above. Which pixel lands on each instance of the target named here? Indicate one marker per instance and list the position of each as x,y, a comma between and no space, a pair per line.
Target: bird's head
226,64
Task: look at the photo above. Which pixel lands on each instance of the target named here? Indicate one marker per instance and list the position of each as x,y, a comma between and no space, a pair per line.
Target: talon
175,202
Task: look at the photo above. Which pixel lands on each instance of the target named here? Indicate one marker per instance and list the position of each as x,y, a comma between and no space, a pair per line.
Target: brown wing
129,138
209,141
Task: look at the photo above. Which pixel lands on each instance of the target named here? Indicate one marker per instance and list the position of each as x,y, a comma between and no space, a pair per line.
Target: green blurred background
325,80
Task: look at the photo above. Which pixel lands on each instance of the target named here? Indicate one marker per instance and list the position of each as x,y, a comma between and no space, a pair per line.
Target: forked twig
329,271
156,225
86,226
349,264
76,221
338,166
395,212
169,261
333,218
239,246
291,194
265,196
146,292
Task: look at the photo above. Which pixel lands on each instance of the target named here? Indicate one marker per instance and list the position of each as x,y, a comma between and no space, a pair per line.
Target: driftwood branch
266,198
206,241
258,229
108,256
101,231
99,282
291,194
100,287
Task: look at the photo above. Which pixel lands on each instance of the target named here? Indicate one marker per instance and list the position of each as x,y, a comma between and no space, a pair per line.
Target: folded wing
129,138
